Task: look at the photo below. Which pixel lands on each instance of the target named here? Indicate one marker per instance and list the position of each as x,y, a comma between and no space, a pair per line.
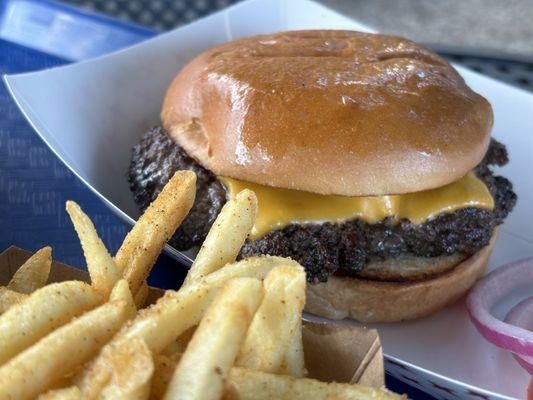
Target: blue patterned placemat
34,184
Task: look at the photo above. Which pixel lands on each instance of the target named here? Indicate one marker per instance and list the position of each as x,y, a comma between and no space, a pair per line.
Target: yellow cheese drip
281,207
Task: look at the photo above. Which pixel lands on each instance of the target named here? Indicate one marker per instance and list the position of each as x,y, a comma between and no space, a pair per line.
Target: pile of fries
232,331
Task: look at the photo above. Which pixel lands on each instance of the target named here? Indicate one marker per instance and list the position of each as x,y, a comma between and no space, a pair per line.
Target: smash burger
370,157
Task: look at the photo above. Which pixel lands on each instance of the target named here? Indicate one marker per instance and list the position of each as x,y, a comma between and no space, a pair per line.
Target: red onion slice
521,315
490,290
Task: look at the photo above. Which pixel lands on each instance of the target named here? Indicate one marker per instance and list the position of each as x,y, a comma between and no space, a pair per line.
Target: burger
370,156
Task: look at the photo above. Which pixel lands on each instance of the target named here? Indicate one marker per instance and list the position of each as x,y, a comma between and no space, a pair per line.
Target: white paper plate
92,113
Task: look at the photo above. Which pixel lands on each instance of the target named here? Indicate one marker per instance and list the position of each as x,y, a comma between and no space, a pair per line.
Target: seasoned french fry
41,312
65,382
211,352
132,367
176,312
33,274
142,295
163,372
158,325
276,321
102,268
9,298
226,237
173,314
121,291
246,384
294,362
175,349
144,242
37,368
70,393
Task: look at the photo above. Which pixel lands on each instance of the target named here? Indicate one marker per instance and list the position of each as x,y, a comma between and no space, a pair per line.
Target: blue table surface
34,186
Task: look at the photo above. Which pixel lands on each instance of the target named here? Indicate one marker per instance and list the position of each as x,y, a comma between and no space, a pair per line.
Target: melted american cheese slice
281,207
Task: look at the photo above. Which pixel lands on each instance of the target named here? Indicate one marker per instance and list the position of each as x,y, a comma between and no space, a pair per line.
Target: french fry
247,384
9,298
33,274
70,393
276,321
164,367
102,268
173,314
41,312
294,363
212,350
175,349
144,242
178,311
37,368
158,325
142,295
121,291
64,383
132,367
226,237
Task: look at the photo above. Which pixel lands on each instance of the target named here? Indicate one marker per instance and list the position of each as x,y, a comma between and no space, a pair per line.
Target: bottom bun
375,301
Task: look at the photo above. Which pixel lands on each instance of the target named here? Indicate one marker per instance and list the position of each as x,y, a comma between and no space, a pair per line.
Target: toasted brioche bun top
330,112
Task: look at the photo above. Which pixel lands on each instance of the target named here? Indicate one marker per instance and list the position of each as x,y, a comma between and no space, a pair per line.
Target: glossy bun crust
331,112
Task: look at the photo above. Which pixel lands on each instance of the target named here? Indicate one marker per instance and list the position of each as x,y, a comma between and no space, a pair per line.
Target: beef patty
328,248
